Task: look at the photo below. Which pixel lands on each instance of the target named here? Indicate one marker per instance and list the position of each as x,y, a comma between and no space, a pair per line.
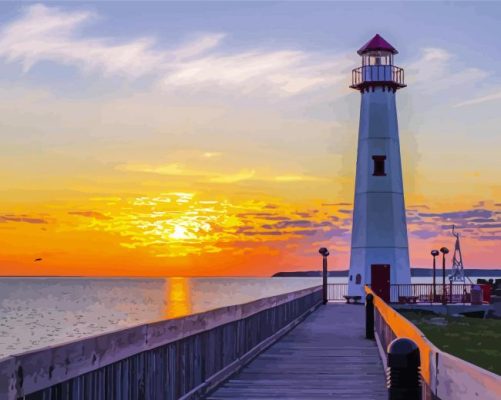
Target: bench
355,299
407,299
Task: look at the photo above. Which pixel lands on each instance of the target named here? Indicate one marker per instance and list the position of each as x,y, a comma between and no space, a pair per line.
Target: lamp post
325,253
434,253
444,251
450,288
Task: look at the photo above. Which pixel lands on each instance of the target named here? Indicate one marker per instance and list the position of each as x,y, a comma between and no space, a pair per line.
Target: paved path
324,357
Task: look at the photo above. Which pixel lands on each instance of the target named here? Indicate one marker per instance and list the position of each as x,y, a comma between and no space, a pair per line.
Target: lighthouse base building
379,245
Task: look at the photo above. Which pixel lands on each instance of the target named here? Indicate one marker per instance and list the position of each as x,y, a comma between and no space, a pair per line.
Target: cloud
22,218
435,71
259,233
306,232
210,154
243,175
90,214
479,223
463,215
299,178
163,169
424,233
199,46
480,100
424,206
289,224
490,237
48,33
43,33
287,71
178,169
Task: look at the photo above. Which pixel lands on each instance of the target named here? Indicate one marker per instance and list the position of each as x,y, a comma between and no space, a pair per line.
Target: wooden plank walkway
324,357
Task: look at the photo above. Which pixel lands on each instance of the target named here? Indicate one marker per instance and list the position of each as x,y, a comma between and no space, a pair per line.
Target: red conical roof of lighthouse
377,43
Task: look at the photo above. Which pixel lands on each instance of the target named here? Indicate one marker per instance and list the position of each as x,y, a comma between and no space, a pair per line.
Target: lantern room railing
368,75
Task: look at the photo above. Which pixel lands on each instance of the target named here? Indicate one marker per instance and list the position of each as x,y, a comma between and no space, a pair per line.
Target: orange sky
190,234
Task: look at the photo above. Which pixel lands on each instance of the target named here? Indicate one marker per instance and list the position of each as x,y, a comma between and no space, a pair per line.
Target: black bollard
369,316
404,379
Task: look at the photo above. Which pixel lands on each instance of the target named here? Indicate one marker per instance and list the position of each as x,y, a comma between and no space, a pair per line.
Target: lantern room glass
378,57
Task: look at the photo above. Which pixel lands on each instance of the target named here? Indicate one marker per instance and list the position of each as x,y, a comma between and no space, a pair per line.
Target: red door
380,280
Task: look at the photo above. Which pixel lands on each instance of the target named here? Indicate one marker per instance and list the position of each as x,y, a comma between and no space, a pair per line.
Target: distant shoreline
415,272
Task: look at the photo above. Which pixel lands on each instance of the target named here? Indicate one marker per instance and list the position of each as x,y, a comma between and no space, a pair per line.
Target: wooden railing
444,376
179,358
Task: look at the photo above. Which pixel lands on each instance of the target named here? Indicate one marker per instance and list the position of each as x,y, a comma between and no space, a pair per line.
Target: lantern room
377,67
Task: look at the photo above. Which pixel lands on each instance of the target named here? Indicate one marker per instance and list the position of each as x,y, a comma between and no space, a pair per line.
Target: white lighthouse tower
379,246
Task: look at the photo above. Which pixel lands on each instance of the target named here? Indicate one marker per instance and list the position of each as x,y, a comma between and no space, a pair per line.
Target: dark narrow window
351,278
358,279
379,165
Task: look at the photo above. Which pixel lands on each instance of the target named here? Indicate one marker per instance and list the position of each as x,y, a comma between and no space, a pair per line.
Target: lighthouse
379,245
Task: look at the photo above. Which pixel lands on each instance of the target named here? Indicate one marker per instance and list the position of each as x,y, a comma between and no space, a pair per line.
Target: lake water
38,312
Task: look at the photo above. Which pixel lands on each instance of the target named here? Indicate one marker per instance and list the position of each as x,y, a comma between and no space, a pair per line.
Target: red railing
426,293
388,74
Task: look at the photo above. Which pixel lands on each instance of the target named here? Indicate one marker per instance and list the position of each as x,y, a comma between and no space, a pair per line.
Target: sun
180,233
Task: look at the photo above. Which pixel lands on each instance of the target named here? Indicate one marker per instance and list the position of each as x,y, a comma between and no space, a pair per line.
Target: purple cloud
22,218
468,214
306,232
424,233
267,233
489,237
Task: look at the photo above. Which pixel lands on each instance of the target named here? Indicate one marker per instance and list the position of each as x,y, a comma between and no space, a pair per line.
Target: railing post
369,316
404,379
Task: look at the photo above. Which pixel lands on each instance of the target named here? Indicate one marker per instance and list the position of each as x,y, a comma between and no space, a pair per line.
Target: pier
325,357
290,346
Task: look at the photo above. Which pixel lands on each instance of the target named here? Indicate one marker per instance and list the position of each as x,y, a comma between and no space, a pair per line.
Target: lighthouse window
358,279
379,169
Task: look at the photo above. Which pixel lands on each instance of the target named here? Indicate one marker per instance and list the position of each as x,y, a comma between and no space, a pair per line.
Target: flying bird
37,259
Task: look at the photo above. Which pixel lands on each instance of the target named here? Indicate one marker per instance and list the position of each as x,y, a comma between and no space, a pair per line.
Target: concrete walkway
324,357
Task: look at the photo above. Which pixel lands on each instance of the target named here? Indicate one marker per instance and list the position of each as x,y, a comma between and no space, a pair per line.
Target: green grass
472,339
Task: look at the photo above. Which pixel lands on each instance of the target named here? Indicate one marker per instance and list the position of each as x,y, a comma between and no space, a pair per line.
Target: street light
434,253
325,253
444,251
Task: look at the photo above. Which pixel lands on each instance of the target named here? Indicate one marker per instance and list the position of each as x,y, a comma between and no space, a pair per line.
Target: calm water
37,312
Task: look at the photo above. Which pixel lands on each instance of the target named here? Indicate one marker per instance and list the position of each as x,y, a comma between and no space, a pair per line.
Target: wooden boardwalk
324,357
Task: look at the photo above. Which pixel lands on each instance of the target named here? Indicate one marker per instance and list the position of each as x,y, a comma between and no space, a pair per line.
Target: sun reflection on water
177,297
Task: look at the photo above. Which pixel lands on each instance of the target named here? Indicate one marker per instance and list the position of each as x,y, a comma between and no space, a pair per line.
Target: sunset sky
220,138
